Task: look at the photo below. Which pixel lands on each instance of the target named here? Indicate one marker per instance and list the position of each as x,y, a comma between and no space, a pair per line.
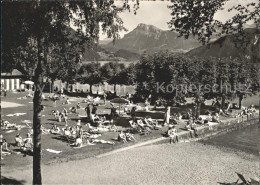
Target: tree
196,18
32,30
90,74
111,73
128,75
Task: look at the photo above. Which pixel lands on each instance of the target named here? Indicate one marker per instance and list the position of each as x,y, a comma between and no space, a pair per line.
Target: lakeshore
73,156
184,163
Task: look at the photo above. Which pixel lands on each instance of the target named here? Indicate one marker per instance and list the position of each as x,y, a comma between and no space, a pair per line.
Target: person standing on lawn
94,110
87,109
105,97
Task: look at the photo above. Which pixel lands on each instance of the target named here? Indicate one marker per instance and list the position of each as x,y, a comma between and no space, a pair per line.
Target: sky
156,13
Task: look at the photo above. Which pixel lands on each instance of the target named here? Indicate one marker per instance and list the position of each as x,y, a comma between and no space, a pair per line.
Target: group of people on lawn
141,126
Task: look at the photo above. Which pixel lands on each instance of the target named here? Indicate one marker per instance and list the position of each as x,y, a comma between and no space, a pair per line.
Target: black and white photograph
130,92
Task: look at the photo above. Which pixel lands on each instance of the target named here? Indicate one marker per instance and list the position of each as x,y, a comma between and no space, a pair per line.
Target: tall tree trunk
115,89
52,85
240,101
37,100
223,100
197,114
90,89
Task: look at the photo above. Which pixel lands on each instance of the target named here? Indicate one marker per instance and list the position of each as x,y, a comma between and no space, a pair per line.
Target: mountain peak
147,27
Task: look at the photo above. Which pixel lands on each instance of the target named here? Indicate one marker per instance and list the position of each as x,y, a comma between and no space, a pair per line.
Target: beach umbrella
119,101
30,83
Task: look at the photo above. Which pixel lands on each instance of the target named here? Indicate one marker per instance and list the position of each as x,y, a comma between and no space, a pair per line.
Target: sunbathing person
73,109
44,130
122,137
97,130
148,123
67,102
67,131
28,143
18,140
78,105
129,137
172,133
4,149
101,141
140,123
77,143
8,125
91,136
199,121
215,118
55,129
193,127
113,128
224,113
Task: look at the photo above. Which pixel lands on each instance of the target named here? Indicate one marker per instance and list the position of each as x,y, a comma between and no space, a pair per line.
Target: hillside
235,45
150,38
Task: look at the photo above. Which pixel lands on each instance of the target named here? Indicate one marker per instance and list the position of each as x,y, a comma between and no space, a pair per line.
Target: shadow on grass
63,138
25,153
6,180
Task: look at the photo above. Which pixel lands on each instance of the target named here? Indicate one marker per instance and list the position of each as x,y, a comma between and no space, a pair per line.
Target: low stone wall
223,127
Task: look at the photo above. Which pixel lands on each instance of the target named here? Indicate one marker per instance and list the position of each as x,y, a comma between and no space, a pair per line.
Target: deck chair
241,177
134,127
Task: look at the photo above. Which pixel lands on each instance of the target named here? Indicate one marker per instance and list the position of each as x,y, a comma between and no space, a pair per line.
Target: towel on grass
15,114
26,121
9,131
53,151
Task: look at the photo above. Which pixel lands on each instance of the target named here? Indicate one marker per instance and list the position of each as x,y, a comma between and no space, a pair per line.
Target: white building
12,81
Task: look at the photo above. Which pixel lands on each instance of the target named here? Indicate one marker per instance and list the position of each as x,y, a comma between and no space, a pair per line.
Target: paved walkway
186,163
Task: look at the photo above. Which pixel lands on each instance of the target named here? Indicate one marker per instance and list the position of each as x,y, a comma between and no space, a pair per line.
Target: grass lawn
58,142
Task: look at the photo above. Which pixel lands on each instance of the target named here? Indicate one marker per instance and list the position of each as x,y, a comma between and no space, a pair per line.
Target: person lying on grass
55,129
67,131
73,109
77,143
113,127
93,140
28,143
44,130
129,137
7,125
122,137
101,128
215,117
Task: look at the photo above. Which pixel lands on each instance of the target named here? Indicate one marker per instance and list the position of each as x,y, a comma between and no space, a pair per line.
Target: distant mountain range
150,38
234,45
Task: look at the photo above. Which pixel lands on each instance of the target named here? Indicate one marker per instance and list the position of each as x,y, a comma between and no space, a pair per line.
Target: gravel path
185,163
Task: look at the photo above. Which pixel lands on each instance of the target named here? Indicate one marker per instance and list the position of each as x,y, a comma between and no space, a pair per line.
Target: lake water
127,63
246,139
